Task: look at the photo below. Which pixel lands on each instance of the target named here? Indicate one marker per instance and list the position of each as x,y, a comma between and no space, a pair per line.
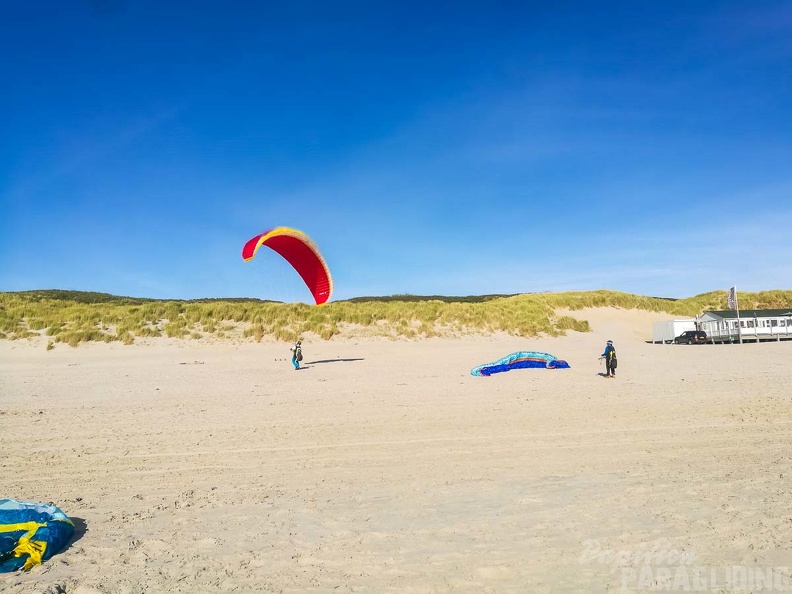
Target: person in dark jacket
610,359
296,354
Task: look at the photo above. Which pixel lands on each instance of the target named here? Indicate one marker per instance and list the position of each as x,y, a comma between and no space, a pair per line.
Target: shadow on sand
80,528
333,361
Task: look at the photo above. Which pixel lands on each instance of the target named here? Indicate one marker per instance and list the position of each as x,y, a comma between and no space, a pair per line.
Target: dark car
691,337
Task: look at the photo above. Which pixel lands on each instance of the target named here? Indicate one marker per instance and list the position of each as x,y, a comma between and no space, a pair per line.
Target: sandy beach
384,466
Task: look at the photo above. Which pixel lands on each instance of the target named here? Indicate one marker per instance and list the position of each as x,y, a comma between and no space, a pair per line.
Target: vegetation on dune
72,317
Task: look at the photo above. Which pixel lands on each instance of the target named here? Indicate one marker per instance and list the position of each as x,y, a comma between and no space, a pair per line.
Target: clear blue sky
429,148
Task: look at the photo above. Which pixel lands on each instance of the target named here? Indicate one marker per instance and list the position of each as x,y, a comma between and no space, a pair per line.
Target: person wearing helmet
610,359
296,354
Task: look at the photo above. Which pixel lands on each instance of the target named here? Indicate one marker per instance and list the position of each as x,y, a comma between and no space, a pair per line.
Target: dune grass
76,317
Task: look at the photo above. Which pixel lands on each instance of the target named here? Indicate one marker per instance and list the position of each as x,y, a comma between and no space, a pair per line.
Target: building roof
731,314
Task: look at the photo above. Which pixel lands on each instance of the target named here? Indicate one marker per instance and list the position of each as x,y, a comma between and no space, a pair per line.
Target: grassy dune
73,317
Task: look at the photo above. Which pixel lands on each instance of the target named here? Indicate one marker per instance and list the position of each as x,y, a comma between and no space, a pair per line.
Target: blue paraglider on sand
520,360
31,533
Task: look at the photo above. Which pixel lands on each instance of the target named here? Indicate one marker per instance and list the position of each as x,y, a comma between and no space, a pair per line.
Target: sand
384,466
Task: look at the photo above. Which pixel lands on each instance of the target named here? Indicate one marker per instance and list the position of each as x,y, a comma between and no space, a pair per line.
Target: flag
732,299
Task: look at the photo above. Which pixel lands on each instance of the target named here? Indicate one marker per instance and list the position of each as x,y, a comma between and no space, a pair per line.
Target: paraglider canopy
303,255
30,533
520,360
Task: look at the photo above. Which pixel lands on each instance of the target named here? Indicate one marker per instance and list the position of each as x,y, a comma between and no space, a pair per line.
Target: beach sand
384,466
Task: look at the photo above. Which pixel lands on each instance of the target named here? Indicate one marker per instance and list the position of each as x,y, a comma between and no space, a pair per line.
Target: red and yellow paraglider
303,255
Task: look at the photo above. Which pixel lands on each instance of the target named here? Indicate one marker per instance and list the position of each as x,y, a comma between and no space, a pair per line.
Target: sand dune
386,467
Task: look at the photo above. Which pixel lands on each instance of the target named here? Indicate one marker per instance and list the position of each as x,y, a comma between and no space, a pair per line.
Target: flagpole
737,307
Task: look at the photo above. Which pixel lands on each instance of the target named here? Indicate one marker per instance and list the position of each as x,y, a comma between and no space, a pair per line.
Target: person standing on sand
610,359
296,354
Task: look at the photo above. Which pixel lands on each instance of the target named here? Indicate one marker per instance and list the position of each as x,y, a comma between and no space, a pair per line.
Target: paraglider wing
30,533
303,255
520,360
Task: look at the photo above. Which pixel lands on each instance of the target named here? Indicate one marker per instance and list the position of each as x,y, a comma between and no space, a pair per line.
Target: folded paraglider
520,360
30,533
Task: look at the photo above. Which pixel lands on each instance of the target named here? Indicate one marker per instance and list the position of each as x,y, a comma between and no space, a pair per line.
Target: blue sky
428,148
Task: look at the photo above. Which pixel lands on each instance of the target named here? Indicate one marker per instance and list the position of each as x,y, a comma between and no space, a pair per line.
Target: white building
754,325
668,330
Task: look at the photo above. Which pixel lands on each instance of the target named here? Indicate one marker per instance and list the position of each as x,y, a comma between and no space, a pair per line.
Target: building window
773,323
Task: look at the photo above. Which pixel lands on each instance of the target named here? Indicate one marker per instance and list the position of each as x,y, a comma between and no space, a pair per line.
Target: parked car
691,337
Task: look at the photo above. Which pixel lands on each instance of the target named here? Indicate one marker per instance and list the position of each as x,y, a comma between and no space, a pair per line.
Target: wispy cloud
86,149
